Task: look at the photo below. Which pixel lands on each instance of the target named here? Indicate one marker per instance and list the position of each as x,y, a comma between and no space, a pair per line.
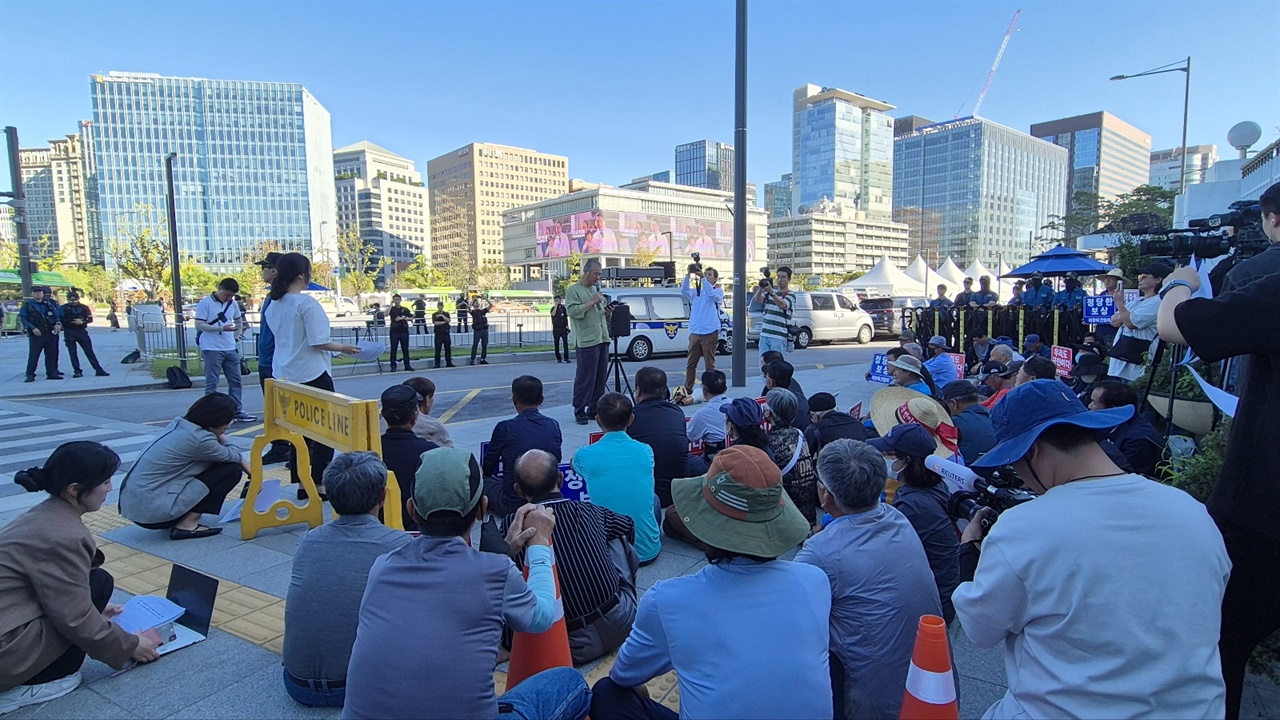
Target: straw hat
894,406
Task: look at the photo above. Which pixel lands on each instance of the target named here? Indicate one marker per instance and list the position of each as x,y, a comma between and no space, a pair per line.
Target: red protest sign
957,359
1061,360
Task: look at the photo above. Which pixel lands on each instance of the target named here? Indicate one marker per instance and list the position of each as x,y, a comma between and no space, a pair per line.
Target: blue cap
1030,409
1032,338
743,412
906,439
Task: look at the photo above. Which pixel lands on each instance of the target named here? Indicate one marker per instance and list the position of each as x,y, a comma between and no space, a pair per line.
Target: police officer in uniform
39,316
419,316
440,324
463,308
76,317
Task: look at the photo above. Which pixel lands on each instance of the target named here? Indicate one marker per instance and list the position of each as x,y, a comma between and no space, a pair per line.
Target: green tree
421,273
48,254
93,280
361,264
493,275
197,281
1144,206
1083,217
643,257
250,275
141,250
573,265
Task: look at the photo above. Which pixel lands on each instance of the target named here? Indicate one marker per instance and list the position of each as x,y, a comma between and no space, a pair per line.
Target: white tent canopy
885,279
976,270
917,270
1006,286
951,273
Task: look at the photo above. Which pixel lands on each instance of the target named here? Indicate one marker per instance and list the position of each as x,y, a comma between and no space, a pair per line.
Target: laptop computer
195,593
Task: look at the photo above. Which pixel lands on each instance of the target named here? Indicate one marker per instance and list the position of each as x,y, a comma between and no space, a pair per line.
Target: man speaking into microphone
588,320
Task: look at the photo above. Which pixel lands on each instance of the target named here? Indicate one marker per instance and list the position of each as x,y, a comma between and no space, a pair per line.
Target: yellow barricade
294,413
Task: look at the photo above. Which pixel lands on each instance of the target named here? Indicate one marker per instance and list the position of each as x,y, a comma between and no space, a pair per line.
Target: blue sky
616,84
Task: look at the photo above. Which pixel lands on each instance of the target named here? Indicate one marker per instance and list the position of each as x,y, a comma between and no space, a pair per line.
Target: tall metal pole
740,201
1186,107
176,272
18,202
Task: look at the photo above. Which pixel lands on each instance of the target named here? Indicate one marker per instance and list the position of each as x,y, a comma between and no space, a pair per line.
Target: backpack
178,378
131,358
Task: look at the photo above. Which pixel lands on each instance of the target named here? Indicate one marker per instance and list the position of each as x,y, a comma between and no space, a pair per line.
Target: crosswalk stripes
29,434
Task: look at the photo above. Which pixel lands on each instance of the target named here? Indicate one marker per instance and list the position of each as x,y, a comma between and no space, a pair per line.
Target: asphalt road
463,393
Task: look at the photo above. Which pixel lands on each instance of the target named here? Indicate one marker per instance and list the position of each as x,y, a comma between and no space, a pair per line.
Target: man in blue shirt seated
401,448
715,628
1033,345
942,301
939,363
618,471
1137,438
970,418
411,663
330,570
909,373
528,430
707,424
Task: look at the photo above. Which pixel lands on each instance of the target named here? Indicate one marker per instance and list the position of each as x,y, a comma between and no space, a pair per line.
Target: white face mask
888,469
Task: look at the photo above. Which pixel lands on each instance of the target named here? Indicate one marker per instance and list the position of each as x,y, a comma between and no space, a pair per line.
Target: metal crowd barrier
1055,326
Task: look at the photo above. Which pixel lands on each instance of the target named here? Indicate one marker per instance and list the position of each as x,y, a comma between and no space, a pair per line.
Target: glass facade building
777,197
254,162
1106,155
705,164
842,151
974,190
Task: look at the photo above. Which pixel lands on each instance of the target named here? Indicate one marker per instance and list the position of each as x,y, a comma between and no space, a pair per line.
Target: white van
659,321
345,307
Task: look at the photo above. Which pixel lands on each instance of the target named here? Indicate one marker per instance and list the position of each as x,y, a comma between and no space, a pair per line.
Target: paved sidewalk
236,673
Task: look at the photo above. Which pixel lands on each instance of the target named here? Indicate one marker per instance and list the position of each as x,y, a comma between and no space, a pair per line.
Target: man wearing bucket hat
907,373
715,627
390,676
1107,575
939,363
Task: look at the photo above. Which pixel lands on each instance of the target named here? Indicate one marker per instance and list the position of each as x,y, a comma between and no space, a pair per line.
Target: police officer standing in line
480,329
463,308
76,317
1071,297
419,316
39,316
560,328
440,323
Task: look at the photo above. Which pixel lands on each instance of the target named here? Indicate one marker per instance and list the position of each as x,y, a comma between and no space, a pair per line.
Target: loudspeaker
620,321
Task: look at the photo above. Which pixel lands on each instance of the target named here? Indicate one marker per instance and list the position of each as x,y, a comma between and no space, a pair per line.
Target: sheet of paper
370,352
147,611
267,497
1225,401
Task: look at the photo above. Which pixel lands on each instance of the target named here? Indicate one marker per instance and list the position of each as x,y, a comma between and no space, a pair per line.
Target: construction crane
1013,24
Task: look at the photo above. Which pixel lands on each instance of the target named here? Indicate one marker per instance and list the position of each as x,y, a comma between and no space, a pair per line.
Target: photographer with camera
589,323
1246,501
1100,616
705,298
776,302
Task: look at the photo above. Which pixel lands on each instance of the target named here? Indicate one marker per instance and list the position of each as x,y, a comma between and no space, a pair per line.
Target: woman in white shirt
1138,318
301,331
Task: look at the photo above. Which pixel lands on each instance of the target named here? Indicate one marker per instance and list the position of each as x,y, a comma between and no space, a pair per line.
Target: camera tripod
1156,357
620,380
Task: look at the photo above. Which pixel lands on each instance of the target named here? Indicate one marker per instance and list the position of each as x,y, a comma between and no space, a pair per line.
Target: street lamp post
1184,67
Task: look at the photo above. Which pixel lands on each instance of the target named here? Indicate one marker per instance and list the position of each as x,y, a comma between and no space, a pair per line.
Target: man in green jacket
588,320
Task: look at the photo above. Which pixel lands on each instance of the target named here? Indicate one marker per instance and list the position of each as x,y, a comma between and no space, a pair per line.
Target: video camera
767,280
695,267
1003,490
1205,237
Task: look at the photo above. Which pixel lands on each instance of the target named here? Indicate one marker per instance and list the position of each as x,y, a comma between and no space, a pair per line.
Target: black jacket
660,425
560,318
1141,444
833,426
78,311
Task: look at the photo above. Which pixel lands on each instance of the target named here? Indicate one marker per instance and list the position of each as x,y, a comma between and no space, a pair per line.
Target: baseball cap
73,295
908,335
992,367
1030,409
398,396
743,412
270,260
957,389
821,402
1089,364
740,505
906,439
939,341
1004,340
41,288
1159,268
448,480
1011,369
1032,338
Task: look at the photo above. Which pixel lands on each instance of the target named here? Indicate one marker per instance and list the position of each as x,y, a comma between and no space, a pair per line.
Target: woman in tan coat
54,594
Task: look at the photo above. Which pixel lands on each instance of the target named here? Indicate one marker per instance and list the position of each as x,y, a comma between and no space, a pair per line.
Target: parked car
823,316
659,321
887,312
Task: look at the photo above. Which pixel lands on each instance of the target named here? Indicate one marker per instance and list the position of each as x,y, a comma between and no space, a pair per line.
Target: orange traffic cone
931,688
533,653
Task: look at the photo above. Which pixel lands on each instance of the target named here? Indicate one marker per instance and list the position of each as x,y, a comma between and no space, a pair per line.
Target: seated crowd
386,623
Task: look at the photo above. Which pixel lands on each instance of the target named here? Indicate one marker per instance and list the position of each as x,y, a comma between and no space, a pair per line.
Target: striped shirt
773,318
588,578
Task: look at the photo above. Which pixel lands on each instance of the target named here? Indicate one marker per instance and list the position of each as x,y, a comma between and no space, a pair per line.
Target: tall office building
254,163
831,238
777,197
974,190
909,124
473,186
382,198
842,151
705,164
1166,165
1105,154
58,183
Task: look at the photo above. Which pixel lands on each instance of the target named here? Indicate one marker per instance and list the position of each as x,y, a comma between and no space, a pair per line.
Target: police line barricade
295,413
1055,326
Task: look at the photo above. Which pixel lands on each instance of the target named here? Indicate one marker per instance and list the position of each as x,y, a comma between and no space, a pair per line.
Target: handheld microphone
956,476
